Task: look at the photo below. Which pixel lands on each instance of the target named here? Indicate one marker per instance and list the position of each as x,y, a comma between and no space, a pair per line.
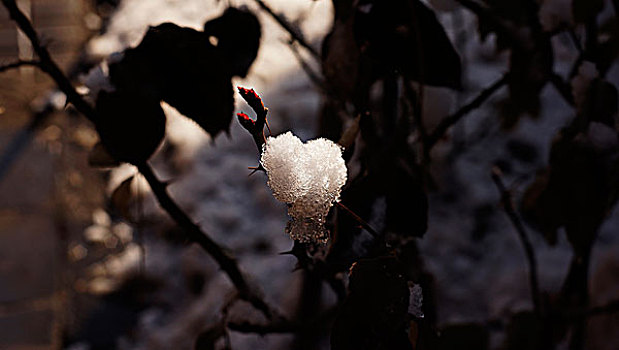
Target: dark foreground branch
506,200
46,63
225,261
20,63
446,123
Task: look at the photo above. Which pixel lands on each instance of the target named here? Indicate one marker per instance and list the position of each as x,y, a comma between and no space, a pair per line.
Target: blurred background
89,261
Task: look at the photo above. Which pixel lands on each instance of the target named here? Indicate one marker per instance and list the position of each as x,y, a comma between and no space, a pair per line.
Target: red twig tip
252,98
245,120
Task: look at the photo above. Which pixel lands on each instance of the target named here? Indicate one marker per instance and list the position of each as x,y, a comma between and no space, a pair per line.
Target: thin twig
46,63
227,262
508,206
357,218
313,76
498,25
20,63
446,123
294,33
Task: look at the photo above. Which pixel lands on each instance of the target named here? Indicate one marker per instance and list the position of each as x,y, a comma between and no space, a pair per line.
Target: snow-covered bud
308,177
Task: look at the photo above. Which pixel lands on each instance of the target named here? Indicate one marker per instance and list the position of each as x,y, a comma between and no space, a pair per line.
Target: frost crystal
308,177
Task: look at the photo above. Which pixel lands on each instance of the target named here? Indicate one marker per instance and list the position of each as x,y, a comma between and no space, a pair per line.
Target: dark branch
508,206
294,33
498,25
446,123
46,63
358,219
313,76
195,234
20,63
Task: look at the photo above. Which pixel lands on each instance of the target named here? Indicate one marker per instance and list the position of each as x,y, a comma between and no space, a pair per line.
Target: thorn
268,127
254,171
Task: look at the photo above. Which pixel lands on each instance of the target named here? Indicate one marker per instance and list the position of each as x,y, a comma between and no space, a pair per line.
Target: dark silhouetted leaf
407,204
207,339
469,336
406,37
131,127
237,33
192,70
100,158
122,199
581,186
530,70
374,315
585,10
601,102
523,332
608,46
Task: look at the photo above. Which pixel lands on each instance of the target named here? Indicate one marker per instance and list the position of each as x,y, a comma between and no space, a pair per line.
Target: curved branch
446,123
226,261
506,199
46,63
195,234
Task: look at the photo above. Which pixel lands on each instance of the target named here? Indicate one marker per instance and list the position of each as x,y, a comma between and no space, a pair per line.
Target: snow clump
308,177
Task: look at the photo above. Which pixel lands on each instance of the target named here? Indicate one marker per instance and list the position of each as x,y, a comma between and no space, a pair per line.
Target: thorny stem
294,33
446,123
225,261
508,206
357,218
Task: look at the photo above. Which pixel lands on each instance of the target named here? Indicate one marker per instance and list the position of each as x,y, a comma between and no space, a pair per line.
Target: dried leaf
405,36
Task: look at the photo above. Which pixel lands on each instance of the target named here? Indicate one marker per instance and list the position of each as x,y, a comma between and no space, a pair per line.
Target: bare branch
294,33
227,262
46,63
508,206
446,123
358,219
195,234
20,63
